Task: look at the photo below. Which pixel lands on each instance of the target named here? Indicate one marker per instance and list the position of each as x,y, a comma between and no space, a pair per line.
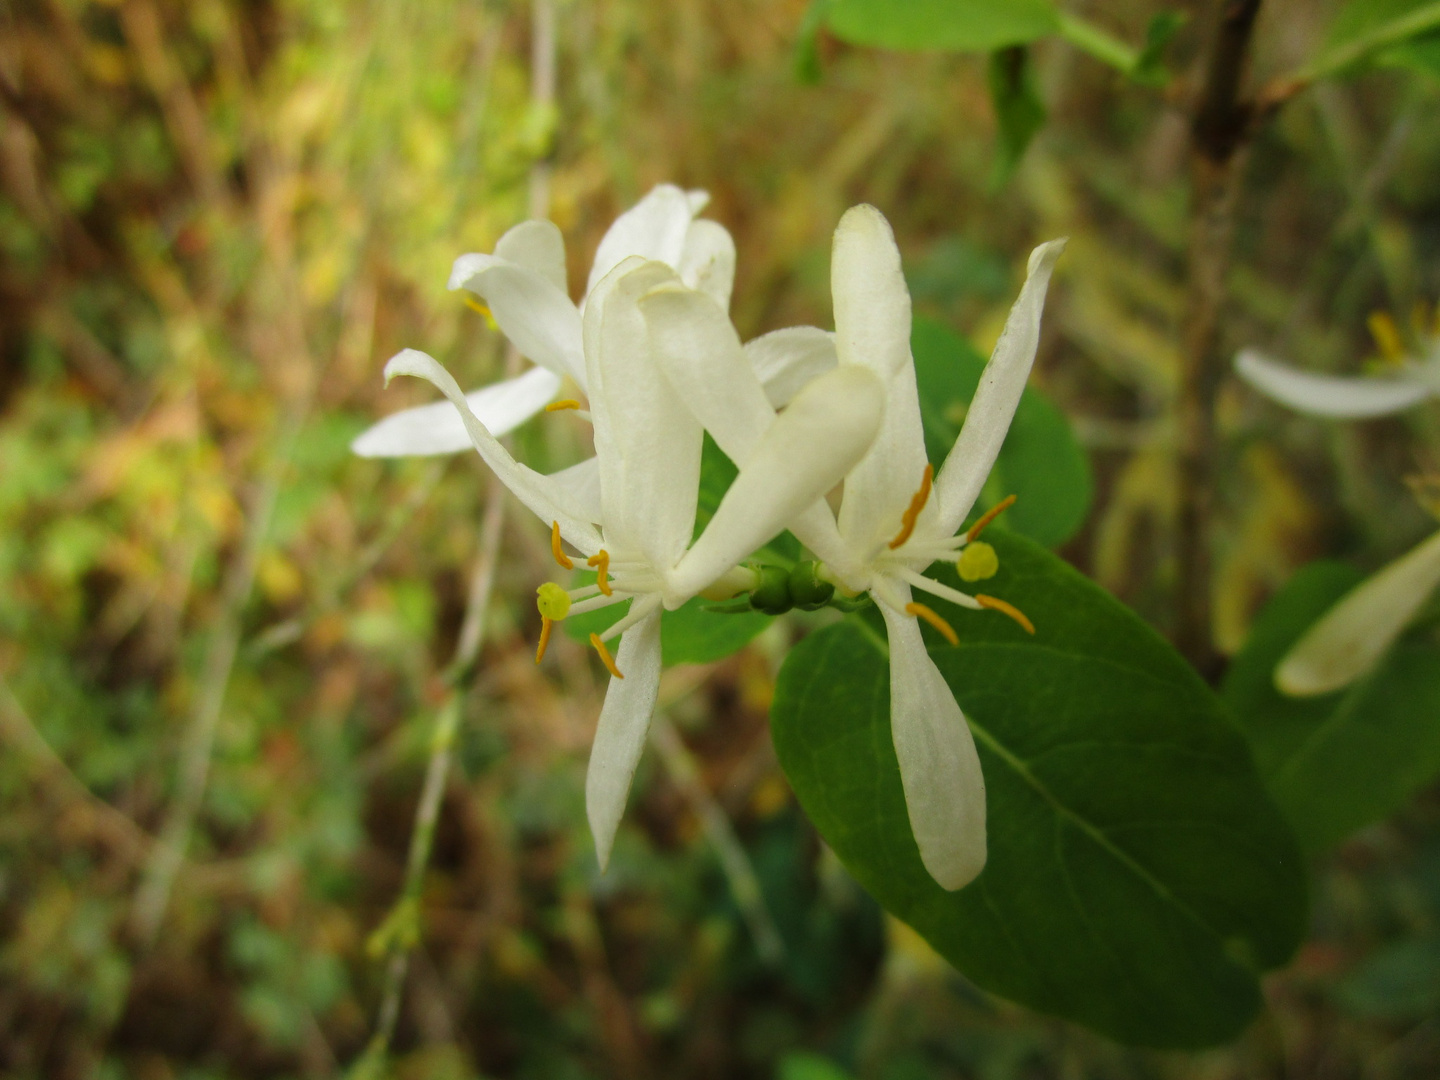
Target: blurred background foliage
218,219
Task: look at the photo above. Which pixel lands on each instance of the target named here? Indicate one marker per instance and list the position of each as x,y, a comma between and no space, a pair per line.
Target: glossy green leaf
960,25
1138,877
1340,761
1041,462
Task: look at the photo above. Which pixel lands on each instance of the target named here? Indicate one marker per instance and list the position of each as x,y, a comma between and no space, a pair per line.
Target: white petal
532,312
867,287
620,736
1328,395
548,500
537,246
654,228
582,482
1349,639
438,429
992,409
707,262
697,199
804,453
944,787
785,360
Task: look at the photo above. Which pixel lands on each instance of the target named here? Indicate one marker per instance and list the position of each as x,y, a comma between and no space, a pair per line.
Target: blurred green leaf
1150,69
1019,112
1138,876
960,25
1398,982
1366,30
807,52
810,1067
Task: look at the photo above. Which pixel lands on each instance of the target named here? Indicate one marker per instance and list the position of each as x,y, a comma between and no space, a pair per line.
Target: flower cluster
652,350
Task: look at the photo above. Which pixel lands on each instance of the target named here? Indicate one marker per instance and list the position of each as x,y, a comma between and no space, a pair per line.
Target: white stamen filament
924,584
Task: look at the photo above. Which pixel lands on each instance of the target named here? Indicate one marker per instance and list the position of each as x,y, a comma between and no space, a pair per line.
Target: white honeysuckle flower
1350,639
1412,377
647,464
523,283
885,536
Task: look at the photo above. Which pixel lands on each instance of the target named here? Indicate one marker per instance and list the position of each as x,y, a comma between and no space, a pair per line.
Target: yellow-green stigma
977,562
553,601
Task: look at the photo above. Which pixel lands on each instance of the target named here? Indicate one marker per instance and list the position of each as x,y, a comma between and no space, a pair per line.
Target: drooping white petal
806,451
582,482
620,736
1349,639
785,360
867,287
707,261
697,200
939,768
1329,395
438,428
654,228
998,395
538,317
548,500
537,246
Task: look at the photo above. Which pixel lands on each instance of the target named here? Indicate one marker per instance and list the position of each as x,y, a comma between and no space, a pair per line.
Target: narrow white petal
537,246
1328,395
548,500
707,261
805,452
529,309
944,787
620,736
998,395
582,482
1349,640
654,228
785,360
867,287
438,428
697,199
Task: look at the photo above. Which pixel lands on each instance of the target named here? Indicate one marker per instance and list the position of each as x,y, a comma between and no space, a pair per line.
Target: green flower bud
772,594
809,591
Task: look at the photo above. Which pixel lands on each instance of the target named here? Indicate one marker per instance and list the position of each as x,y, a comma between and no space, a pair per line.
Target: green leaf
1364,31
1399,982
807,49
1150,69
1138,875
1336,762
1040,462
1019,112
959,25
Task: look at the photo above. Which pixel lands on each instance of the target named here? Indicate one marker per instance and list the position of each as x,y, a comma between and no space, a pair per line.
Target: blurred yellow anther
912,513
560,556
977,562
562,404
545,627
1006,609
1386,335
920,611
990,515
605,657
476,305
601,562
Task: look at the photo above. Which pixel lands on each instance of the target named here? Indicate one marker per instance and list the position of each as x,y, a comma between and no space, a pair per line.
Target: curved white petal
707,261
620,736
654,228
1349,640
548,500
438,428
998,395
867,287
529,309
940,770
582,482
537,246
804,453
1328,395
697,200
785,360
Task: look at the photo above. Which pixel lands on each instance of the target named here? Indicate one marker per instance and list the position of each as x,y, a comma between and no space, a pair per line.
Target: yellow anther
562,405
912,513
601,562
1006,609
605,657
920,611
555,549
546,624
977,562
476,305
1386,335
990,515
552,601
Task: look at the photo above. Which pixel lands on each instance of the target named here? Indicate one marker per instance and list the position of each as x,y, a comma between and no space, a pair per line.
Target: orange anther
1006,609
560,556
605,657
601,562
928,614
476,305
562,404
546,623
990,515
912,513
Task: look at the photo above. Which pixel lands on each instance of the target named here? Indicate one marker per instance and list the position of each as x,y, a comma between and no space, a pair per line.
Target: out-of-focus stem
1089,38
